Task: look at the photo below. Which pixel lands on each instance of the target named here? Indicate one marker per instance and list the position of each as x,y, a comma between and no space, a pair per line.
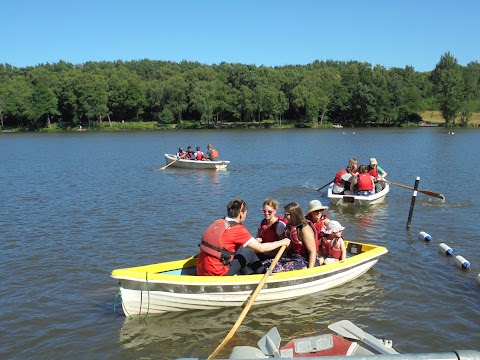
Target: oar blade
348,329
270,342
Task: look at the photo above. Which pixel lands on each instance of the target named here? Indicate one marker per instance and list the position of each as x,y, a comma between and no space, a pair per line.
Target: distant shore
431,118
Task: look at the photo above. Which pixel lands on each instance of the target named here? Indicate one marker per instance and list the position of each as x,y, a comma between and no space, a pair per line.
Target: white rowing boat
356,200
174,286
196,164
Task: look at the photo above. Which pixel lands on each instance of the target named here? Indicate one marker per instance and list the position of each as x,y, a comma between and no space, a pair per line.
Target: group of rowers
211,153
227,247
360,180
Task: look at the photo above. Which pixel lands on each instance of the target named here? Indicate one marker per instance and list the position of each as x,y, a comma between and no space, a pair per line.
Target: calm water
76,206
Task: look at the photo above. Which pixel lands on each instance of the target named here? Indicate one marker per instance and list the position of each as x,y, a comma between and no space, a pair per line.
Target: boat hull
161,288
196,164
352,200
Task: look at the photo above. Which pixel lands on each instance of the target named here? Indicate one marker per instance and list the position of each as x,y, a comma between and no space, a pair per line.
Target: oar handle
320,188
249,304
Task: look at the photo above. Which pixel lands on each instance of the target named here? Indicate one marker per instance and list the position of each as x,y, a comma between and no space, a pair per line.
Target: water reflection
200,332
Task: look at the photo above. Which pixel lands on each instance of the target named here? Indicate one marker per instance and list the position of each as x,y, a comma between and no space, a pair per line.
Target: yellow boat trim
154,272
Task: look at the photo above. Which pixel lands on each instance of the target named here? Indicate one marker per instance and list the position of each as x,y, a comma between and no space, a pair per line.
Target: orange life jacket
212,241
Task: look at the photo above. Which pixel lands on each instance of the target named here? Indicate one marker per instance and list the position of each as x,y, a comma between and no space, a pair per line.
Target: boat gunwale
173,157
361,198
142,273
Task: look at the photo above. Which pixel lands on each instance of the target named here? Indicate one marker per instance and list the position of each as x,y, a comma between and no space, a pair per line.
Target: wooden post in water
412,204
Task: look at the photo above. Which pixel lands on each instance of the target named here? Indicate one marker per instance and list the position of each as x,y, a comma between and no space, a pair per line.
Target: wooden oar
174,161
250,302
324,185
426,192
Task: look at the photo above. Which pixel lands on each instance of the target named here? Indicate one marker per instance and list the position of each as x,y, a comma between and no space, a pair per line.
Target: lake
75,206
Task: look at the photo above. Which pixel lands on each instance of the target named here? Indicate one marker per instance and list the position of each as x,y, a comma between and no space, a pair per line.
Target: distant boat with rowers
357,200
195,164
174,286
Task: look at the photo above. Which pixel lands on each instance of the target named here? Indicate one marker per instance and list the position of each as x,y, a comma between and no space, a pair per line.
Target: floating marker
445,249
478,279
460,261
424,236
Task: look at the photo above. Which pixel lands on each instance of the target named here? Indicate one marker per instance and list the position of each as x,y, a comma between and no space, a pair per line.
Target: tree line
197,95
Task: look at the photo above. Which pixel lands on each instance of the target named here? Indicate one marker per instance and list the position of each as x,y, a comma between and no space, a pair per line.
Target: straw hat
315,205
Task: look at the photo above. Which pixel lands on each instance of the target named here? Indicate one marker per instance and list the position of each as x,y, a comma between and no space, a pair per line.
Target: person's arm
383,174
353,183
308,237
344,250
266,247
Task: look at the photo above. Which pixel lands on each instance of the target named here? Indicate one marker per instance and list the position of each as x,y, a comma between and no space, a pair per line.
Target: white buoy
445,249
478,279
424,236
461,262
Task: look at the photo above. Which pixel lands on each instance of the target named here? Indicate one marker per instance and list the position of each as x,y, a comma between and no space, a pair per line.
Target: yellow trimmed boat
174,286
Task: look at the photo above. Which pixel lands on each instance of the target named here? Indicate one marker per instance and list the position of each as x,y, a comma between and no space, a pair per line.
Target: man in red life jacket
211,153
342,181
227,248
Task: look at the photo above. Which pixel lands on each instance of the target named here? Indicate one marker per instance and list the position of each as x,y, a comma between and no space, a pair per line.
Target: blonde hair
272,203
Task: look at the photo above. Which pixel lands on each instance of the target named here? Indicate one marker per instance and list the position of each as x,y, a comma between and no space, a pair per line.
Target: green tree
447,79
43,106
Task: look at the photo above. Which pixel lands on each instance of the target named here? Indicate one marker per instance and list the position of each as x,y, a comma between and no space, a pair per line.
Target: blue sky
269,32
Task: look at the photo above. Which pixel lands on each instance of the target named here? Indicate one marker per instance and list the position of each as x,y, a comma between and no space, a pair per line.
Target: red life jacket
364,182
199,155
330,249
294,234
212,241
214,153
338,177
373,170
268,233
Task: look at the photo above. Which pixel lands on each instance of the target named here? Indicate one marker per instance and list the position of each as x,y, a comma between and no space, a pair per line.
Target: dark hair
296,214
236,206
362,169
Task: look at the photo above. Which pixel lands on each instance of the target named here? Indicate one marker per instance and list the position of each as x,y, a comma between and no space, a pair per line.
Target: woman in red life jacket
332,245
211,153
272,228
317,217
227,248
302,233
363,185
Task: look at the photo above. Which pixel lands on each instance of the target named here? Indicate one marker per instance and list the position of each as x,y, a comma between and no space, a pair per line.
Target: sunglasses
269,212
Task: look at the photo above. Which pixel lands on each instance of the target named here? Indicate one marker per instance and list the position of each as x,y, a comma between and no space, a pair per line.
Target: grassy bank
436,116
